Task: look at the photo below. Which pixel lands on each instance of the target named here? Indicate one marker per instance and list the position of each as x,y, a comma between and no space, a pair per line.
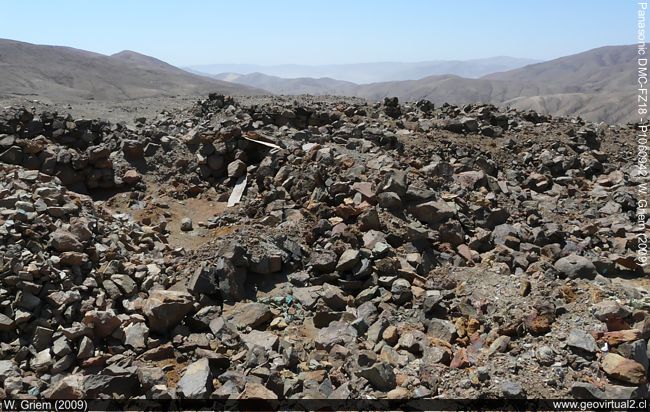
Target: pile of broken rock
375,250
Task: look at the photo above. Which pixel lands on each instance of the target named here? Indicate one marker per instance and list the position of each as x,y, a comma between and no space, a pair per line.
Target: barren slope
597,85
64,74
302,85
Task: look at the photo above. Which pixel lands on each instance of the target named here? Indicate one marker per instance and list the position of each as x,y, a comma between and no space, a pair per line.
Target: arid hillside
65,75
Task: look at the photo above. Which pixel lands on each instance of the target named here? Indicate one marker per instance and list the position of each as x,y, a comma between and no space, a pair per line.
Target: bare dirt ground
156,208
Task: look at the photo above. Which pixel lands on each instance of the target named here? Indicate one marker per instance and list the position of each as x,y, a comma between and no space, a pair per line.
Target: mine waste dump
320,247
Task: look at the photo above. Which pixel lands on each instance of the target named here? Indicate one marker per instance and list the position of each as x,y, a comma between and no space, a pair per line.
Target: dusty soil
173,211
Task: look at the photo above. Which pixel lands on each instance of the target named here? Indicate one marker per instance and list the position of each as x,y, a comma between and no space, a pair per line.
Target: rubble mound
359,250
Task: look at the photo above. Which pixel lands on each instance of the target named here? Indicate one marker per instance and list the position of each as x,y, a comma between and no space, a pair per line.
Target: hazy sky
319,32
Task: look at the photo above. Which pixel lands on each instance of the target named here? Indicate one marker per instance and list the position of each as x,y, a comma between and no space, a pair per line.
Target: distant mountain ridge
64,74
304,85
597,84
373,72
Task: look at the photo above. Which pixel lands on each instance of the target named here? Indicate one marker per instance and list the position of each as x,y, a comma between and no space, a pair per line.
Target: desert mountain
145,62
596,70
453,89
597,85
63,74
374,72
302,85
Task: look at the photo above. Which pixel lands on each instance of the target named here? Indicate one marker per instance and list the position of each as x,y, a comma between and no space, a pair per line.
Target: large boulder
623,369
196,382
380,375
337,332
223,279
8,369
433,212
167,308
103,322
69,387
251,314
575,266
324,261
64,241
582,341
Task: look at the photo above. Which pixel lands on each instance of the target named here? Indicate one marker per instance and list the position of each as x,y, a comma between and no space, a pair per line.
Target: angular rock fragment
337,333
623,369
251,314
166,308
196,382
575,266
380,375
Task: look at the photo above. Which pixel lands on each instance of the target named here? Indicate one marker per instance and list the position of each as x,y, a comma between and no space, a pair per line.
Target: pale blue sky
321,32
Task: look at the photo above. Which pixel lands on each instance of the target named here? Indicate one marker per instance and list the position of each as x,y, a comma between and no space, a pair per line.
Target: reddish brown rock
617,337
539,323
131,177
73,258
623,369
255,390
390,335
460,359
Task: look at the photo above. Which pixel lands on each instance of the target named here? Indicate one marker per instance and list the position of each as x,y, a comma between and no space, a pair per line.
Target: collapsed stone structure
380,250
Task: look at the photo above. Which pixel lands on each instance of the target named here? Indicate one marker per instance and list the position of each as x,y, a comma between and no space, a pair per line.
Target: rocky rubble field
350,250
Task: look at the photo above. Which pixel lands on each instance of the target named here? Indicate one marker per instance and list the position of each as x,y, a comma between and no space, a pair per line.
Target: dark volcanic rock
303,247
